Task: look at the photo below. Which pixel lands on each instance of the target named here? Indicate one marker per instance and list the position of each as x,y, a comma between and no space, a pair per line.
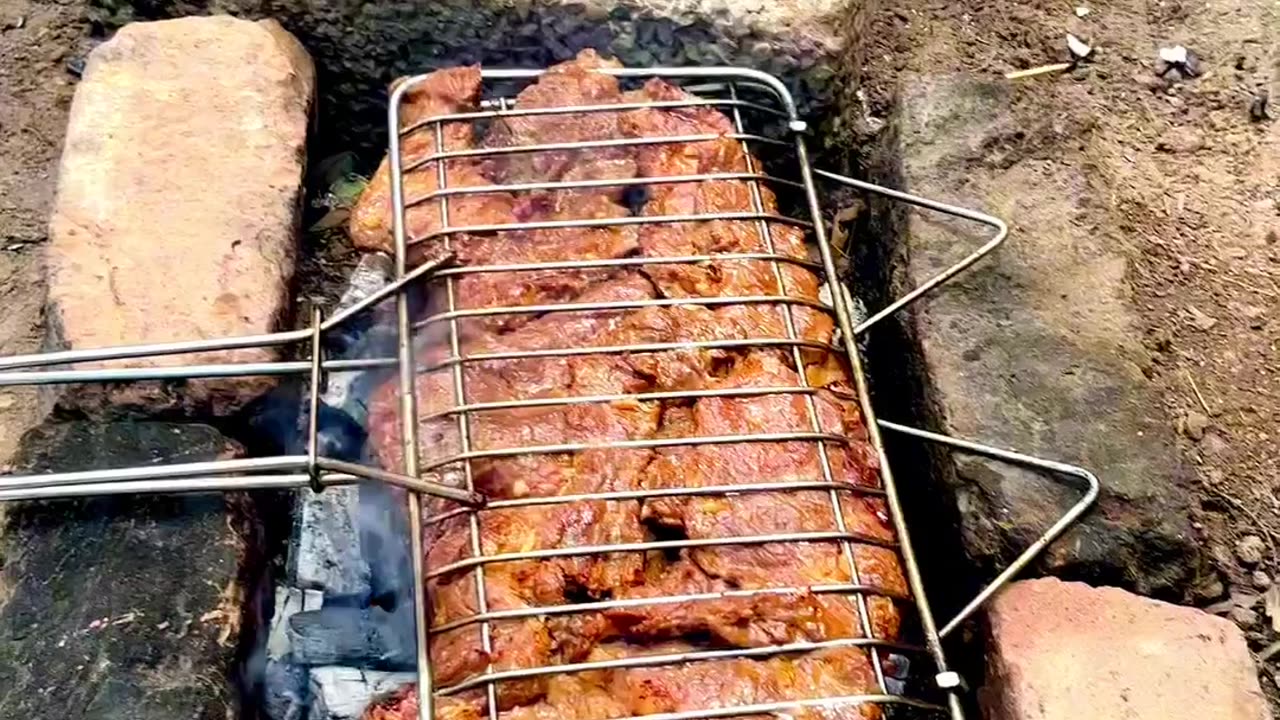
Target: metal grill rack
753,100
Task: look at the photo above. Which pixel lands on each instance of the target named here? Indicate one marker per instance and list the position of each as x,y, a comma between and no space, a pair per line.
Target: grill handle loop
1052,467
1002,232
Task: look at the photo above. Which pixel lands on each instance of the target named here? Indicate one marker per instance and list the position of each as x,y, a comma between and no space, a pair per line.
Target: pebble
1180,140
1195,424
1261,580
1211,590
1243,616
1250,549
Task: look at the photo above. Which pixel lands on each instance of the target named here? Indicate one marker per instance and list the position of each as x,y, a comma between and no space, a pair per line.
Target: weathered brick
1062,651
178,199
125,607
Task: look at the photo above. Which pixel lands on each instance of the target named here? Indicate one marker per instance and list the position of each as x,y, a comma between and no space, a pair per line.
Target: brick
1062,651
178,199
125,608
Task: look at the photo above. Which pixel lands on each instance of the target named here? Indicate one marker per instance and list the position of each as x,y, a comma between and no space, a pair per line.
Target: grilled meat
552,358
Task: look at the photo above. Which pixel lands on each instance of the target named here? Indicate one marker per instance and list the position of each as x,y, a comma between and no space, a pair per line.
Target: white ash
288,603
343,693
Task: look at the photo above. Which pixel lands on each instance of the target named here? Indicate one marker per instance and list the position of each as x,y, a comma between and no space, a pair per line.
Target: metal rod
283,463
811,407
607,223
629,349
649,545
594,183
1054,532
638,661
1002,232
639,444
708,490
409,413
463,424
313,405
618,603
417,485
718,301
583,145
171,485
781,708
644,261
841,301
545,402
570,109
428,268
61,357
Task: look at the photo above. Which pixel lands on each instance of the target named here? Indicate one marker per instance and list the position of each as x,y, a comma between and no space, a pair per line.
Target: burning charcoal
368,637
327,552
343,693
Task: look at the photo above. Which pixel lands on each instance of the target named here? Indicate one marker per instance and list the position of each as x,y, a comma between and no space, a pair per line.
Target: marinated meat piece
457,90
700,685
722,278
457,654
755,514
539,287
444,92
572,84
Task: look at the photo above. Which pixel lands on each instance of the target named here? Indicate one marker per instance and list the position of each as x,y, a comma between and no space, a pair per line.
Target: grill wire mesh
766,125
751,105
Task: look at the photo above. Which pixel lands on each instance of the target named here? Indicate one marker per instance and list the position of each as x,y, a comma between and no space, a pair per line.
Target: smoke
343,610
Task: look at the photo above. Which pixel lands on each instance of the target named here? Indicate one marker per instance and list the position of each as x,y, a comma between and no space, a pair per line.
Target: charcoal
367,637
327,554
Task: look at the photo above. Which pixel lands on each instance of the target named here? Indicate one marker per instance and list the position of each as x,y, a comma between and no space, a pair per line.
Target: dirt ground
1184,177
40,44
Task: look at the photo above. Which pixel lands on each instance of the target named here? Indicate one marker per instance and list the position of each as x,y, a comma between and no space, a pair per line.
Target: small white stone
1176,55
1081,11
1079,48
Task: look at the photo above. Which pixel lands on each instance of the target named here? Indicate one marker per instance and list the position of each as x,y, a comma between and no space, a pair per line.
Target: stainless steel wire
312,469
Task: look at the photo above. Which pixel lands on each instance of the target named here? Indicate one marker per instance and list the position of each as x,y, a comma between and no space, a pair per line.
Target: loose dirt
40,46
1183,177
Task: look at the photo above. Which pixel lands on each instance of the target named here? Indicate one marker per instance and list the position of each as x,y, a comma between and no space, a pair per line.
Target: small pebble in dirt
1243,616
1180,140
1177,59
1209,591
1195,424
1258,105
1250,549
1261,580
75,66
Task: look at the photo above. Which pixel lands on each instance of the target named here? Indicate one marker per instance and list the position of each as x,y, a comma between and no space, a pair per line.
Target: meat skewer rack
750,98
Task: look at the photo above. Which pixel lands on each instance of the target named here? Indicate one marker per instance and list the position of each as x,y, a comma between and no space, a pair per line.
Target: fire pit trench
349,623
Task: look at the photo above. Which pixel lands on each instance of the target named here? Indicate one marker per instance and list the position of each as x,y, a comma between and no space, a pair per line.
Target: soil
40,46
1182,176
